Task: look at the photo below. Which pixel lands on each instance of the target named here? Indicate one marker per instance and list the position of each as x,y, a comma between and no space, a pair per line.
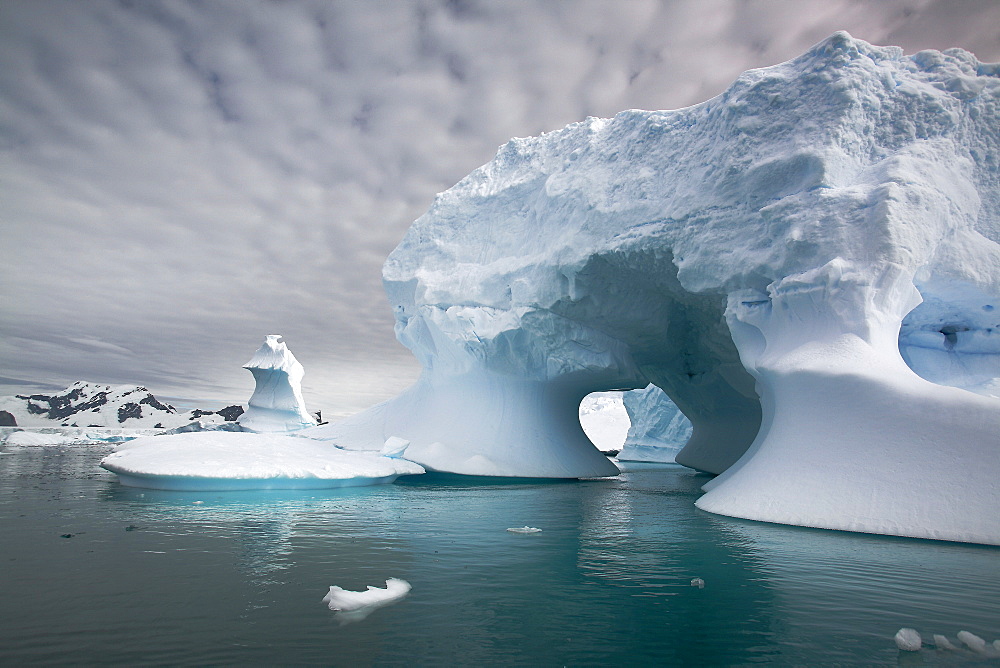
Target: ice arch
754,257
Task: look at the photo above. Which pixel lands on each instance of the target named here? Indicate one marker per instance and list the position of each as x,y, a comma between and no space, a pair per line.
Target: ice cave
807,265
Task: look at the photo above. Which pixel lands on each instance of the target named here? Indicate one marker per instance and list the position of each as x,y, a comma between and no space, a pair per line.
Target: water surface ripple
96,573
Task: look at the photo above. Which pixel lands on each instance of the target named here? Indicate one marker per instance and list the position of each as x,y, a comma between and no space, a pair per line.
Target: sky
180,178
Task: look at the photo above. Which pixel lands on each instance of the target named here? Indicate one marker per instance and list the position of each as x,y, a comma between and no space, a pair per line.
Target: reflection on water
238,577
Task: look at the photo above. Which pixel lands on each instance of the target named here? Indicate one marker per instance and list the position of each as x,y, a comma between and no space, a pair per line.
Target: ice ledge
851,438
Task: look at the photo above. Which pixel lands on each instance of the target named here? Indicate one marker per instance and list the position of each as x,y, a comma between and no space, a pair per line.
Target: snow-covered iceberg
276,404
761,257
220,460
658,428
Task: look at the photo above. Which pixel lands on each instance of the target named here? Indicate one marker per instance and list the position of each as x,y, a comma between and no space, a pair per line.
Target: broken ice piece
908,640
698,582
972,641
342,600
524,529
942,643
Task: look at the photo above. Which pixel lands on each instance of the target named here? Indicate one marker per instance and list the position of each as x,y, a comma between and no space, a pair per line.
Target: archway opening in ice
605,421
953,337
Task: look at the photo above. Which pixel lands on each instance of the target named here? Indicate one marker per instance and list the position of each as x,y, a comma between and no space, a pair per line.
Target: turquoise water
184,578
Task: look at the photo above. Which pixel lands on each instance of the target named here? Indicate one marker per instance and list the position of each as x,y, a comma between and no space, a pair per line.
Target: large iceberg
658,428
276,404
762,257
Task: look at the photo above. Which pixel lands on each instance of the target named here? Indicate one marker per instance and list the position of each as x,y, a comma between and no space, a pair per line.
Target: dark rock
7,420
231,413
151,401
129,410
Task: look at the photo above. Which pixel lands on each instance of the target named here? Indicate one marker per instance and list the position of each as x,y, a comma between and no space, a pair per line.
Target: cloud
181,178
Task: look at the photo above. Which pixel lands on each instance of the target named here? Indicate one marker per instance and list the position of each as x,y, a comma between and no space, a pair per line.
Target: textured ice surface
276,404
219,460
755,257
658,427
346,601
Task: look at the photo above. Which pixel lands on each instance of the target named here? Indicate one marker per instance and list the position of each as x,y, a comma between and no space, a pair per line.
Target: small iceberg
698,582
353,606
222,460
524,529
908,640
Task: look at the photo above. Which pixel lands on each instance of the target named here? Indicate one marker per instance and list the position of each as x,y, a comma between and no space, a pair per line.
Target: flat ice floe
209,461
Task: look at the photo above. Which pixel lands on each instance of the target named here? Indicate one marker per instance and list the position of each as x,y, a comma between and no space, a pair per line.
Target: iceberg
807,265
276,404
658,428
223,460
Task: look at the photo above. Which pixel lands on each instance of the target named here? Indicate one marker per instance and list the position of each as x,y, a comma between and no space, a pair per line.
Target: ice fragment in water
908,640
972,641
343,600
942,643
698,582
524,529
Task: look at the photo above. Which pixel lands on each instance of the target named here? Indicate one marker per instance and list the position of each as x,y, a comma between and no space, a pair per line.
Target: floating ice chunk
524,529
221,460
394,447
972,641
698,582
342,600
908,640
942,642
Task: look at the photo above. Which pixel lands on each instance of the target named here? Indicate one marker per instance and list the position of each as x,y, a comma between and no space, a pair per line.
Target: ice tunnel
771,258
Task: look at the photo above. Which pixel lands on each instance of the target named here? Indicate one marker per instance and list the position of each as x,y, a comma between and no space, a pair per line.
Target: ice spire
276,403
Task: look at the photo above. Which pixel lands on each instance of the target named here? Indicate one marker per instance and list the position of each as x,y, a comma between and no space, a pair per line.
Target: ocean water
96,573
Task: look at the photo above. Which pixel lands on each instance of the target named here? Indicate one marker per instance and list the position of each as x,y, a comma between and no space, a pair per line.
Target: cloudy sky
179,178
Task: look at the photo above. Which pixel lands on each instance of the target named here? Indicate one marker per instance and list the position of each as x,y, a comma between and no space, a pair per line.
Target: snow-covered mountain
84,404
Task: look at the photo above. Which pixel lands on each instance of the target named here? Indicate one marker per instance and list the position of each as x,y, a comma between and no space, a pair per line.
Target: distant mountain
85,404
